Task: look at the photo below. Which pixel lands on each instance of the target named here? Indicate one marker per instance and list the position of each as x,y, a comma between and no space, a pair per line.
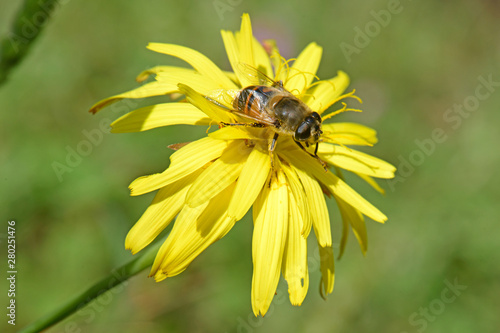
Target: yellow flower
211,183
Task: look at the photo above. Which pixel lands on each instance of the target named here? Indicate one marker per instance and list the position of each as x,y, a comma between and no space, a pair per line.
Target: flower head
213,182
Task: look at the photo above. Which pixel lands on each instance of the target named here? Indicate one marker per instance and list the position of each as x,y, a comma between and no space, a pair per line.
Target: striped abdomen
253,100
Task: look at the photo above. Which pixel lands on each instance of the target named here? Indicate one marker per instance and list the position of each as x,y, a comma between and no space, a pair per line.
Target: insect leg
272,146
216,103
244,124
315,155
273,143
278,84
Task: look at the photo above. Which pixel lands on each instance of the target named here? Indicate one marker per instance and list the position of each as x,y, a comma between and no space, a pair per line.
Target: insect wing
256,76
223,97
253,116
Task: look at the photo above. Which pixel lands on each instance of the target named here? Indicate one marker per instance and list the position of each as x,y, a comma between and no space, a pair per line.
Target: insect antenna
299,72
344,109
348,95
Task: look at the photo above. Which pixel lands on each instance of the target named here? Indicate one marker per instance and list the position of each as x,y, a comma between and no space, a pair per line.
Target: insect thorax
291,112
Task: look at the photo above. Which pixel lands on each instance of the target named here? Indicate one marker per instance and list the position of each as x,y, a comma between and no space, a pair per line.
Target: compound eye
303,132
316,116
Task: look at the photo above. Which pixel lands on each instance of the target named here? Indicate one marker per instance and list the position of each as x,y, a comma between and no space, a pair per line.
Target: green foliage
25,28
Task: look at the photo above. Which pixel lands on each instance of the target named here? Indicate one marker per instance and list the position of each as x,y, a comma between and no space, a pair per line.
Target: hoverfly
270,105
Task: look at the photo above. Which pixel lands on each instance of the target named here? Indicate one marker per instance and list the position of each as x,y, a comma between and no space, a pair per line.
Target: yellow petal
159,115
232,77
245,41
345,222
250,183
199,62
356,221
193,232
175,75
239,132
209,108
224,98
355,161
295,269
343,237
371,182
304,69
166,204
327,271
349,134
268,242
219,175
154,70
323,93
233,55
186,216
278,63
184,162
300,198
303,161
317,206
146,90
261,58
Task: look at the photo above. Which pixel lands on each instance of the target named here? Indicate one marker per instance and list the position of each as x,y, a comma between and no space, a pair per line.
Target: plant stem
26,26
116,277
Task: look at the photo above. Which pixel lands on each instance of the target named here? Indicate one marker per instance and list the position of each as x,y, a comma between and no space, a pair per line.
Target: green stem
28,22
117,276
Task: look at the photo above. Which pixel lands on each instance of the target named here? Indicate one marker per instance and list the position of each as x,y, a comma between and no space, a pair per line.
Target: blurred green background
411,71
